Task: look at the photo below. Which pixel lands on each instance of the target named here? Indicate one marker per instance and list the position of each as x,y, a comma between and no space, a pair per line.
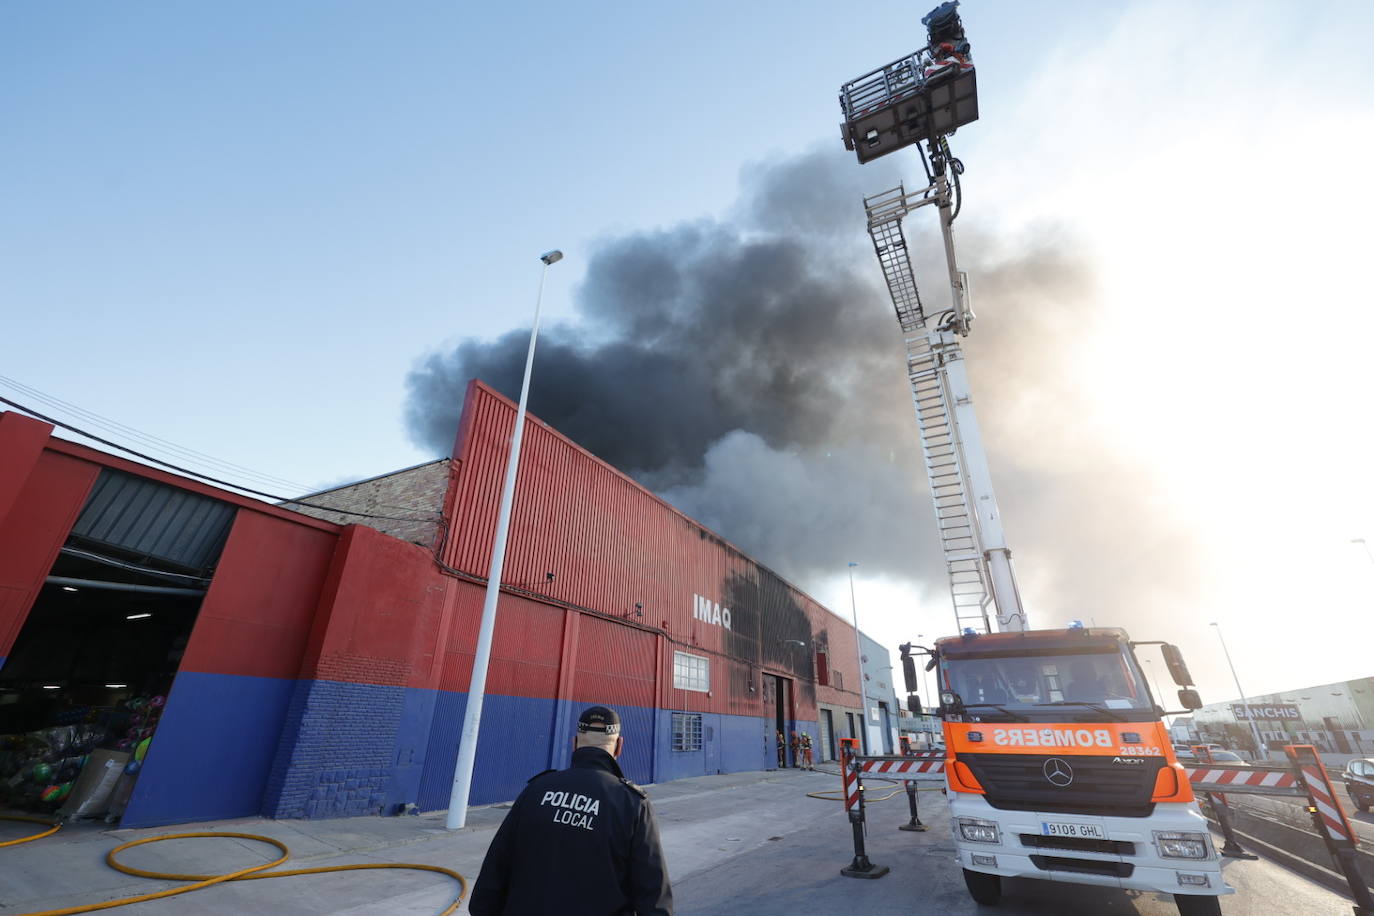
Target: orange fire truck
1058,764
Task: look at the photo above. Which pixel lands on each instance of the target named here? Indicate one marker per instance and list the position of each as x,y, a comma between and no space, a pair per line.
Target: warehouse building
1336,718
312,659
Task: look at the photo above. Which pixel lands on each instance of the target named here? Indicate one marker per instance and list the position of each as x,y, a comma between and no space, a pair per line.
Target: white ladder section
928,352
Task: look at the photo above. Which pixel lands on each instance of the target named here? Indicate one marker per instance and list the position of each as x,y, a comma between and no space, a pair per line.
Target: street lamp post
859,653
472,715
1245,704
1365,544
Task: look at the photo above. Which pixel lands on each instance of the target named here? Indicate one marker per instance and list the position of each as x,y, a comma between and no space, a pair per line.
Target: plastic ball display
157,702
42,772
142,750
133,766
65,790
50,793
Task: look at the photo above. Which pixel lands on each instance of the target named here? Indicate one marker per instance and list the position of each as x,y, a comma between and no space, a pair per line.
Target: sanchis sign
1271,711
1052,737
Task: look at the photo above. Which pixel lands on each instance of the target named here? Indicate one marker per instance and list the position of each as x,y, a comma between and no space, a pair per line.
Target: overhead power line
206,477
125,431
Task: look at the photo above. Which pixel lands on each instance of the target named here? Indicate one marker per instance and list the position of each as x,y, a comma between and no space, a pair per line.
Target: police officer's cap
599,719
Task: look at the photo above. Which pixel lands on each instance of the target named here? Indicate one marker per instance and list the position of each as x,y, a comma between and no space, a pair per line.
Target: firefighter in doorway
807,762
782,752
795,744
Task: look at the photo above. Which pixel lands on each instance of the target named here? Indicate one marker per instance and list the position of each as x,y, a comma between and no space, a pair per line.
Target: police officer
578,841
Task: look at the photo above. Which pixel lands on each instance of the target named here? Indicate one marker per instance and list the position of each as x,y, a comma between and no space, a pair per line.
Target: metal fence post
1222,809
850,772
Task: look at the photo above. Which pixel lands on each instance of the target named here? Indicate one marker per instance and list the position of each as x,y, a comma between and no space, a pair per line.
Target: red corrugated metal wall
258,612
611,544
40,514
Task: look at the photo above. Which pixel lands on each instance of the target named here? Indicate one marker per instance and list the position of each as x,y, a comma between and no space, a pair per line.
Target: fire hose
200,882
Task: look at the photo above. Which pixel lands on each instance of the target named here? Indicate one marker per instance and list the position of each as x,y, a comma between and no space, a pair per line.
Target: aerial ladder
923,98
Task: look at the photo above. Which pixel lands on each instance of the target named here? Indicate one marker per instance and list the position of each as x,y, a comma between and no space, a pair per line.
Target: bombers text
1052,737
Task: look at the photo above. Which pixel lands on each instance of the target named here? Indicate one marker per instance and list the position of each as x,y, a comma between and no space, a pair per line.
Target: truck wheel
1196,905
984,889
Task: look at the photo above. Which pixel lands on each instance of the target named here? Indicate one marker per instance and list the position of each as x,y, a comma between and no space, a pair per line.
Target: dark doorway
828,733
776,706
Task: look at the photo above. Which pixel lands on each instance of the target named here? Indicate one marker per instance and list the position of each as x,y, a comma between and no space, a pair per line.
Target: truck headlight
1176,845
977,830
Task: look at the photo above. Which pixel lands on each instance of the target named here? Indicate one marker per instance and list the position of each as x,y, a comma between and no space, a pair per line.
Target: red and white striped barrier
909,766
1249,780
1333,818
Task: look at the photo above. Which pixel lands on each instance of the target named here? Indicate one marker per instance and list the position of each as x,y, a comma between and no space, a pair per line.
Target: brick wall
412,501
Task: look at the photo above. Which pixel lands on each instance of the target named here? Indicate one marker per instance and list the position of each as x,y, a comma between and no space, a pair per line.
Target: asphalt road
799,872
748,844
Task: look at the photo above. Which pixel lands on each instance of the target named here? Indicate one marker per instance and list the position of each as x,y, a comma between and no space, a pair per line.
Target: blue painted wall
515,743
238,746
337,750
213,751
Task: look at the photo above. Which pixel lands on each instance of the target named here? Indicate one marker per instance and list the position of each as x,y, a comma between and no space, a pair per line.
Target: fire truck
1058,765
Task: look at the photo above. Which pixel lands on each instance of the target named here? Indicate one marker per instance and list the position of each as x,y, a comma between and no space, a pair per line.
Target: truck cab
1059,767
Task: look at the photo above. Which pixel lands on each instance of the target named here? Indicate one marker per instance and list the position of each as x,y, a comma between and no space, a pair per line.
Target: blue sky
237,227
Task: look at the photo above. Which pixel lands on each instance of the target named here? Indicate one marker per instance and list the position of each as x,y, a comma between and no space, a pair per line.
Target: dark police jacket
577,841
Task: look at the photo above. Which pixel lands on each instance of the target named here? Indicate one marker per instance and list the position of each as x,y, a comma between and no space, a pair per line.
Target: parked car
1359,782
1230,758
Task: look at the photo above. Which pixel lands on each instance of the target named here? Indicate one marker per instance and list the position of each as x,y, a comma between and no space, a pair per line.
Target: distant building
1337,718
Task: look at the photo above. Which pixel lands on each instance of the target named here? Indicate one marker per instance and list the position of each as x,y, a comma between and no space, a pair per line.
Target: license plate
1078,831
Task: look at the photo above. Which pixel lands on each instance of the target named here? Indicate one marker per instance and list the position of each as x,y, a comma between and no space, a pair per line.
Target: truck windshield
1023,684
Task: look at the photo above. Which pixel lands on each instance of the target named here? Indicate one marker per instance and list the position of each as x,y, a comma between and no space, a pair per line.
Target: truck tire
1197,905
984,889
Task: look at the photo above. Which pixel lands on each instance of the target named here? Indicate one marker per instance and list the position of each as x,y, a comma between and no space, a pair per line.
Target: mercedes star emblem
1058,772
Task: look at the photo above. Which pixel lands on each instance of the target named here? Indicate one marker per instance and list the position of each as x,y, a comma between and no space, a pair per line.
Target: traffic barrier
930,764
1328,816
1230,776
916,766
851,773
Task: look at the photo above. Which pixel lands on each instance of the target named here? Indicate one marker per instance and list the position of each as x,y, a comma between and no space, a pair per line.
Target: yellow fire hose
52,828
200,882
838,794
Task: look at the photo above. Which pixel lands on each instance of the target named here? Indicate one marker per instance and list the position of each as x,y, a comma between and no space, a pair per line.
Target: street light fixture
1365,544
1245,704
472,715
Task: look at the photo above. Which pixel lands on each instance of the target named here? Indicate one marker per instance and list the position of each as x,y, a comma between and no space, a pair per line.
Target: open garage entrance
88,676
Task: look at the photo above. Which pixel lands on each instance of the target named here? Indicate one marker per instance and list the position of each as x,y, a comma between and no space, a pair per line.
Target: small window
691,672
686,731
822,669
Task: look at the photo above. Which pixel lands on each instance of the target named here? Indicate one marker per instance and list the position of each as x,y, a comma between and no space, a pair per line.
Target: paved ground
744,843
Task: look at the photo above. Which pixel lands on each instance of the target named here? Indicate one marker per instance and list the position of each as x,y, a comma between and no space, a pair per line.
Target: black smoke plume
751,372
